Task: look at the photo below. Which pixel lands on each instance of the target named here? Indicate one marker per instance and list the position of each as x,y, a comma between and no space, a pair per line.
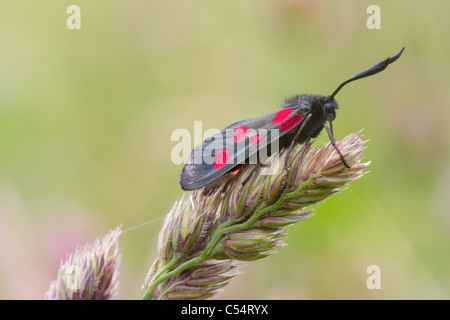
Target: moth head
329,110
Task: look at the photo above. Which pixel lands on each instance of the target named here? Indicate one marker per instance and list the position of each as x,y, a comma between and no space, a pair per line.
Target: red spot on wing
222,158
255,139
282,116
240,133
234,172
292,122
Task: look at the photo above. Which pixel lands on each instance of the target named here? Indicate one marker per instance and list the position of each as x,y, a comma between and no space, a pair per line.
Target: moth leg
287,165
333,143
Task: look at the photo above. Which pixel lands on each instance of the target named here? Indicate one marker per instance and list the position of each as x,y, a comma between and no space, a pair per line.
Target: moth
301,118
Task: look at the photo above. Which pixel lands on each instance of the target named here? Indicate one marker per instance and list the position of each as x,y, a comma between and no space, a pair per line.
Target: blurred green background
86,118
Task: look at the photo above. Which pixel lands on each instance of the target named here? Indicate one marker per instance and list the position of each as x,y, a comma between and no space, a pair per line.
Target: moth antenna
369,72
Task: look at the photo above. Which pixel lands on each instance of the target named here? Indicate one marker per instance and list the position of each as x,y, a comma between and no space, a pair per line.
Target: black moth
301,118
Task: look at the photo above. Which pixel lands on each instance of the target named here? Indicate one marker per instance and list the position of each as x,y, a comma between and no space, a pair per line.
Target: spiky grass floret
205,236
91,273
